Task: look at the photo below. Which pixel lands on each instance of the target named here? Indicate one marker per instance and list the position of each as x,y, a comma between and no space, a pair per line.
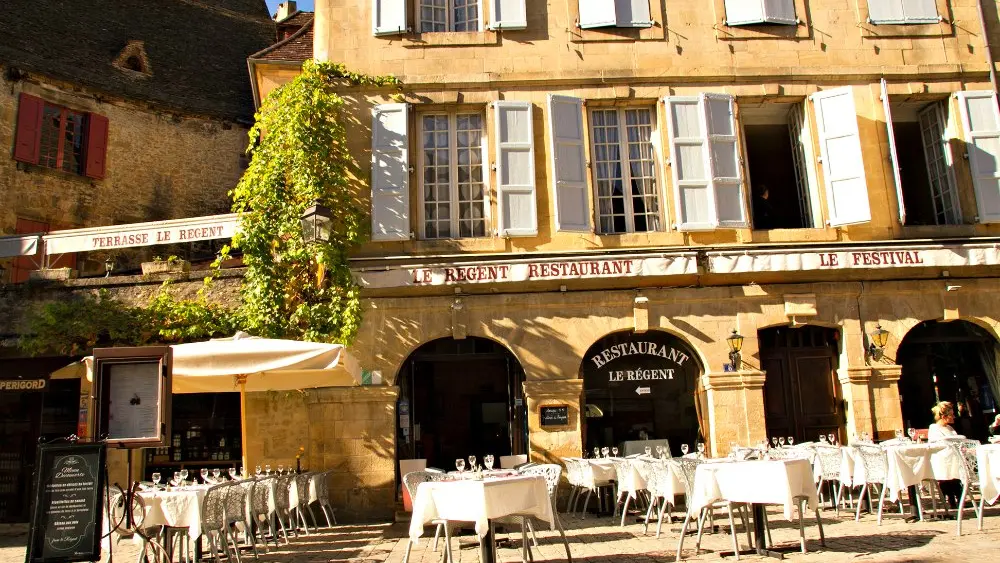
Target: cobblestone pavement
601,540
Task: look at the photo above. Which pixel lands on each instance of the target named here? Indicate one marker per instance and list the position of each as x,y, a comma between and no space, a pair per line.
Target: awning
269,364
19,245
173,231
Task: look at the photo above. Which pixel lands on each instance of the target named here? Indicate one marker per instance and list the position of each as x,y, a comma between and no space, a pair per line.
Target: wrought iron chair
828,460
236,513
213,521
321,481
969,470
412,481
301,484
552,473
686,469
282,506
660,493
260,510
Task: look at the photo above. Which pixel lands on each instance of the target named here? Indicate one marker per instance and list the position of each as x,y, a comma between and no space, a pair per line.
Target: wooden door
802,396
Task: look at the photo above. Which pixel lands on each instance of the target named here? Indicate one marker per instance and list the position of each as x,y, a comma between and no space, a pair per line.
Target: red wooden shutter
96,152
27,145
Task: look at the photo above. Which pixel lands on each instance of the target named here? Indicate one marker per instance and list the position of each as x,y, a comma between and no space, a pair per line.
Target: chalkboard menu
68,504
555,416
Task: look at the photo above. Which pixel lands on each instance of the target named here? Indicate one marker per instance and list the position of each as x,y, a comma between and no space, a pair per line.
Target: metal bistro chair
282,506
686,469
625,485
552,473
260,510
412,481
213,521
301,484
322,483
876,467
969,470
236,513
828,460
658,484
589,483
574,477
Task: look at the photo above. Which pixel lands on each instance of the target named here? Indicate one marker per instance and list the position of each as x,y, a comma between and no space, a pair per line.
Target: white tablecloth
175,508
909,465
480,501
988,456
603,469
762,482
852,468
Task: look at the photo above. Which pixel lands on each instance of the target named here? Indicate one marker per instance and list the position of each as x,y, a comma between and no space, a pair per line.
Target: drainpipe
986,44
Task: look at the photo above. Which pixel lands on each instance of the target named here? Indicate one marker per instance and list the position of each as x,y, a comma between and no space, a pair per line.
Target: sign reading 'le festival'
652,363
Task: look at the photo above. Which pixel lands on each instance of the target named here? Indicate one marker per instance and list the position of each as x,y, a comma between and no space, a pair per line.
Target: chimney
285,9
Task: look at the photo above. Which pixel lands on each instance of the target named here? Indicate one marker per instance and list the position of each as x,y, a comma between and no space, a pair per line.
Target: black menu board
68,504
555,416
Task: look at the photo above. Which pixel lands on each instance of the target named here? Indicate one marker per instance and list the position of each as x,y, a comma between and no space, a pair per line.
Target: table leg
487,545
760,533
198,549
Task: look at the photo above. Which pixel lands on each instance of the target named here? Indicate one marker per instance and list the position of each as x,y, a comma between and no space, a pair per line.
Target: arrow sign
642,390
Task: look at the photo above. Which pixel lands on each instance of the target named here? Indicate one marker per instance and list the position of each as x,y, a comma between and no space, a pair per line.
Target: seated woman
995,427
944,417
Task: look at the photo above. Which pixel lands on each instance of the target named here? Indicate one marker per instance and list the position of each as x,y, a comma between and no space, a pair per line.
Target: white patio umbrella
244,363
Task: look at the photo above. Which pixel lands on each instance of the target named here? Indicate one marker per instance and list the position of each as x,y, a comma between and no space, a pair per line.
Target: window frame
942,28
60,156
449,17
725,32
625,164
453,187
657,31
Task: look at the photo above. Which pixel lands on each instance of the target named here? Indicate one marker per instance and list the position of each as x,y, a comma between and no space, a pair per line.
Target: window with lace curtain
624,167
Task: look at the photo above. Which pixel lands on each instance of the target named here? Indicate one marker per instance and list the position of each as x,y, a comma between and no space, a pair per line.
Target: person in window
944,417
763,210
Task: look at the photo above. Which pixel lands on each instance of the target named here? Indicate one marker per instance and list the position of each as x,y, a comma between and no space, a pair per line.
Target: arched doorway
802,395
949,361
460,398
642,386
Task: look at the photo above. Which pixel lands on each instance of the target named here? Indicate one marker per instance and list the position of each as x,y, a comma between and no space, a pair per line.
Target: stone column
549,443
352,431
871,397
735,408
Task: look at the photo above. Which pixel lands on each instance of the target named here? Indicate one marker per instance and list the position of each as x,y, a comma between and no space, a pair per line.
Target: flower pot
166,267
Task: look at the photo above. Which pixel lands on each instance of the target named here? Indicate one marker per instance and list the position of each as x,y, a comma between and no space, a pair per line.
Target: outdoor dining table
988,460
179,507
908,465
480,501
757,483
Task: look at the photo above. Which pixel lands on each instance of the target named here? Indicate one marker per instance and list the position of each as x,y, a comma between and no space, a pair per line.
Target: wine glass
177,478
597,452
257,471
156,479
184,474
243,472
648,450
460,465
912,433
822,438
472,463
774,441
281,469
781,441
898,433
204,475
232,473
216,473
791,440
605,451
488,460
684,449
833,439
701,449
614,451
659,451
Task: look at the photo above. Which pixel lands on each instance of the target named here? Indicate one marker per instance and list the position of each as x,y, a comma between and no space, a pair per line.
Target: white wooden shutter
724,157
780,11
516,169
509,14
389,17
920,11
940,164
893,154
569,165
689,165
840,149
597,13
744,12
886,11
390,172
632,13
981,122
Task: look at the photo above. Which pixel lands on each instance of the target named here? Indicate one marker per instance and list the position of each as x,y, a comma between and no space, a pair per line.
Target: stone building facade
560,185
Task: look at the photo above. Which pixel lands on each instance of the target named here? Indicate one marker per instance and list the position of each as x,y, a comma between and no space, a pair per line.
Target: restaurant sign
639,364
531,270
142,234
22,385
867,257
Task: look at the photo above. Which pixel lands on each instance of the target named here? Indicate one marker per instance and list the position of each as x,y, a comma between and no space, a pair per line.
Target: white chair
213,521
260,512
552,474
626,486
301,484
966,452
412,481
512,461
686,469
828,460
876,467
658,484
236,513
282,507
321,482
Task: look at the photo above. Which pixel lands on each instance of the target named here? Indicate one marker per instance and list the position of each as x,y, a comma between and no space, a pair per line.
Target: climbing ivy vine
299,155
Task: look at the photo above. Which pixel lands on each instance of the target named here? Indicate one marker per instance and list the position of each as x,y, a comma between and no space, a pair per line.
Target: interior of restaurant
205,433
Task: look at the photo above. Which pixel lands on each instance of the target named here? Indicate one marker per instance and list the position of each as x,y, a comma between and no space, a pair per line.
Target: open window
923,169
750,12
778,149
614,13
903,12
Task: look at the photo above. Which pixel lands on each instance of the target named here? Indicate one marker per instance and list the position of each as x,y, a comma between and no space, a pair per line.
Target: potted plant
172,265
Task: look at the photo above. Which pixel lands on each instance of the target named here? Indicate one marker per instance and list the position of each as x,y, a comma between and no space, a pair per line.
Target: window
750,12
624,170
779,155
614,13
923,170
57,137
903,11
449,15
452,187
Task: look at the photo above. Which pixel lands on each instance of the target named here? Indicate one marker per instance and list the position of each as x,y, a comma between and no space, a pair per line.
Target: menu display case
205,433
